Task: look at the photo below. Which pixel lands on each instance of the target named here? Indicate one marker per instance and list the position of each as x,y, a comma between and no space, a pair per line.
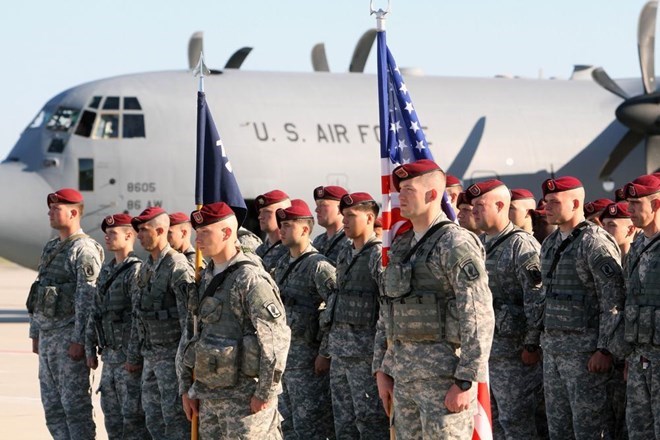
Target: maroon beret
480,188
329,193
66,196
461,200
642,186
413,169
560,184
452,180
297,210
595,206
270,198
619,195
178,218
209,214
616,210
521,194
147,215
349,200
112,221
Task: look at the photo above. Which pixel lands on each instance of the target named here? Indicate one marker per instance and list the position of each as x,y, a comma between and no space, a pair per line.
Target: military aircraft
128,142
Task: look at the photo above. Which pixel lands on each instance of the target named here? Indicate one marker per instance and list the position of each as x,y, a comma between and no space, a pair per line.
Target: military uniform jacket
254,301
589,290
170,272
116,296
304,292
76,265
514,278
270,253
331,246
456,260
365,267
249,241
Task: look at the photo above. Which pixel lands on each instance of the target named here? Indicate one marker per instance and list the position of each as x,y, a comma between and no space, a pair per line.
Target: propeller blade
195,47
646,44
603,79
319,59
652,154
362,50
236,60
627,143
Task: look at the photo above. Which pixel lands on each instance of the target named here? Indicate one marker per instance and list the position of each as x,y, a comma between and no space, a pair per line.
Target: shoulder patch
273,310
89,270
470,269
534,274
607,270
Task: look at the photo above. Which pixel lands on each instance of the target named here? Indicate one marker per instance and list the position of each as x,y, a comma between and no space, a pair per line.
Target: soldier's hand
132,368
93,362
600,362
457,400
385,390
531,357
190,406
257,405
76,351
35,345
321,365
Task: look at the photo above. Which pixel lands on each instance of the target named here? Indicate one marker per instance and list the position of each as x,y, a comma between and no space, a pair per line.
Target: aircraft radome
128,142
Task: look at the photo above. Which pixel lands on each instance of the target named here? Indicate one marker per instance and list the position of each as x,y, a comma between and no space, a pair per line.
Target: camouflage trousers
121,403
616,395
357,410
513,385
230,417
420,412
643,393
65,387
575,399
306,402
161,400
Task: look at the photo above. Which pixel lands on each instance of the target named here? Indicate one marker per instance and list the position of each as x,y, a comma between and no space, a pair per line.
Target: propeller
319,58
358,60
641,114
195,47
237,58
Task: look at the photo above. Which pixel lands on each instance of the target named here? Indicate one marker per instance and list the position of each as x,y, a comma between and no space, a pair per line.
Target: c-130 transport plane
128,142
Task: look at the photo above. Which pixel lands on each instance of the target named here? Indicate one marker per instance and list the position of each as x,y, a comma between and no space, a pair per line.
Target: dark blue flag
215,178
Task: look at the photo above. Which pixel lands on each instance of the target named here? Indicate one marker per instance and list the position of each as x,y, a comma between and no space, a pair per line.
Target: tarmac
21,412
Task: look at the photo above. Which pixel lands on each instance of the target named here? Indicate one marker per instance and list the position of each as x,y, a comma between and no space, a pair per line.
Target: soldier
436,324
179,235
160,312
642,326
521,208
306,279
540,224
617,222
248,241
464,215
236,338
357,411
514,278
109,328
328,216
59,304
267,204
583,291
453,189
593,210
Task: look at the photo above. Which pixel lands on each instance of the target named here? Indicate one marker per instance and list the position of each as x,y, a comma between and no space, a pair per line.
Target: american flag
402,141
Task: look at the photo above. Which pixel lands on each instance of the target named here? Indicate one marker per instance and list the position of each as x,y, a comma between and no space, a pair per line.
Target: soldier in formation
329,217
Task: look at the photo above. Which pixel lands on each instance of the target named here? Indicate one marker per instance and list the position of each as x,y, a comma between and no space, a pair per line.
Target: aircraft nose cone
24,226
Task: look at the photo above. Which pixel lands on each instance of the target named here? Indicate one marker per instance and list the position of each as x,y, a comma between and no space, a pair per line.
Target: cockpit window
131,103
86,124
38,120
107,127
111,103
133,126
63,119
95,102
109,121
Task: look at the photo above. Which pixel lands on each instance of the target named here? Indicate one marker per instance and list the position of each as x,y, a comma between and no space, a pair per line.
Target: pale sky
48,46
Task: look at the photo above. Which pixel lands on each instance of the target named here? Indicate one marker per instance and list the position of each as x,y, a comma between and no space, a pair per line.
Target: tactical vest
157,310
357,293
569,306
642,311
55,290
224,348
507,298
419,310
115,306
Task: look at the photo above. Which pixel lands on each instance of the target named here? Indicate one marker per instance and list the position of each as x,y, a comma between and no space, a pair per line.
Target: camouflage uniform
331,246
305,403
514,278
580,306
642,331
60,302
354,307
190,255
444,283
109,328
245,312
160,309
271,253
249,241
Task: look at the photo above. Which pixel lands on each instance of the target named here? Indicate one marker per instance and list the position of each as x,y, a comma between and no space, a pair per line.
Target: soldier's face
148,236
560,207
518,212
412,197
327,212
484,211
621,229
465,217
175,236
292,232
357,222
60,215
643,210
210,239
117,238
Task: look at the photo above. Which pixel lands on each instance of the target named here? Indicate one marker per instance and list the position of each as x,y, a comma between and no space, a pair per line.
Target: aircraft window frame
96,102
101,127
131,103
63,119
40,119
86,124
134,129
111,103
